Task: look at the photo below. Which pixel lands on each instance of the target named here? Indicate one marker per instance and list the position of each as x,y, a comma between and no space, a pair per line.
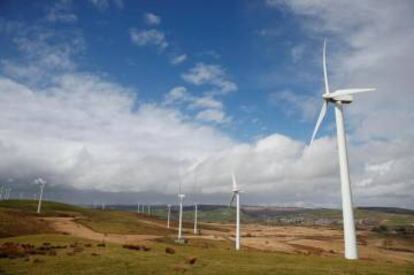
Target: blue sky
250,41
137,96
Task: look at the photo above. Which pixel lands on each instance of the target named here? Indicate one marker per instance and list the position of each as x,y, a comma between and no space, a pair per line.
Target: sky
121,101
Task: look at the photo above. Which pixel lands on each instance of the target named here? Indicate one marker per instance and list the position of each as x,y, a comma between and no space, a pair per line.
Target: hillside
68,239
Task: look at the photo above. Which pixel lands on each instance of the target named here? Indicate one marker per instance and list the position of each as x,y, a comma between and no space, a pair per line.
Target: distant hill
390,210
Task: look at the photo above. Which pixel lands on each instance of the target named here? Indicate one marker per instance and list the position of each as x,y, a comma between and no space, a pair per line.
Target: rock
169,250
191,260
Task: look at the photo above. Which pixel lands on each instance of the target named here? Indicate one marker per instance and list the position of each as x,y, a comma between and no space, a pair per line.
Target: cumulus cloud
177,94
206,102
151,37
176,60
304,106
212,115
297,53
81,130
208,108
376,51
60,11
152,19
212,75
104,4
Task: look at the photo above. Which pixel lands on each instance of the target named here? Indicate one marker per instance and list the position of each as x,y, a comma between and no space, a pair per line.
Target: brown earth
69,226
321,241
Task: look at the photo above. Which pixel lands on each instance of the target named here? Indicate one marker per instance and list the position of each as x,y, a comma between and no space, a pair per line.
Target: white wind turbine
339,98
42,184
168,216
180,218
236,195
195,218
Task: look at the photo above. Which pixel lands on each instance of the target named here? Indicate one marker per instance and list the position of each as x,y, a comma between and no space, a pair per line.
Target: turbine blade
320,118
325,73
350,92
232,199
233,177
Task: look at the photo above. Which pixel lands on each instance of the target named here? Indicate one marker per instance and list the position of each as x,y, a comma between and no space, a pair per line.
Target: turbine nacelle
346,99
344,96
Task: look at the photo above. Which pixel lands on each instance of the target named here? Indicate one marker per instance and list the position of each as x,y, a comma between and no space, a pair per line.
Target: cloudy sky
121,100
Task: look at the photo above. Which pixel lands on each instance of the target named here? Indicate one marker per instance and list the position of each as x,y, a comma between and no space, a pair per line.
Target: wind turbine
138,208
236,195
42,184
195,218
1,192
168,216
180,218
339,98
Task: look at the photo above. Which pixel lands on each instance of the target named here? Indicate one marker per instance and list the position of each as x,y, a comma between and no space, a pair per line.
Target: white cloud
212,115
149,38
104,4
297,53
206,102
213,75
292,103
78,129
178,93
44,52
60,11
176,60
376,39
269,32
152,19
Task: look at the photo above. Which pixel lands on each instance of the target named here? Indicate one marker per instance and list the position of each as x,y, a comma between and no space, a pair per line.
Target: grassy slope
120,223
212,258
49,208
16,223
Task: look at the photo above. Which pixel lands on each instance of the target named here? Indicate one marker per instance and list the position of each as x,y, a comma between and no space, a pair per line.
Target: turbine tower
42,184
236,195
168,216
339,98
195,218
180,218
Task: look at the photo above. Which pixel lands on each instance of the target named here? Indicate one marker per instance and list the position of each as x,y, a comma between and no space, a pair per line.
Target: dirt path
69,226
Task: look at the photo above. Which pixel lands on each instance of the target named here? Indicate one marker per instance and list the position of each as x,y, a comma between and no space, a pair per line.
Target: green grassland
212,257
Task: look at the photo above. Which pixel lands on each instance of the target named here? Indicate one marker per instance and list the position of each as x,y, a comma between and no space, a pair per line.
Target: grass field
212,257
199,256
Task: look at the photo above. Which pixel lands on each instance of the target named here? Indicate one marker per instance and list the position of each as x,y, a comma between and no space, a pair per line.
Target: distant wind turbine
180,218
195,218
339,98
168,216
42,184
236,195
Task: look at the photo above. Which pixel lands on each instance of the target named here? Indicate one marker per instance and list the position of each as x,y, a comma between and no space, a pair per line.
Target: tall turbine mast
195,218
168,216
339,98
180,218
236,195
42,184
